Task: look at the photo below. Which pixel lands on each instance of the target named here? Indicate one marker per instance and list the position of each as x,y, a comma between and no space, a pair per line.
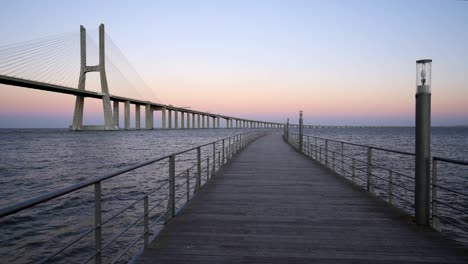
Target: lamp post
423,141
301,131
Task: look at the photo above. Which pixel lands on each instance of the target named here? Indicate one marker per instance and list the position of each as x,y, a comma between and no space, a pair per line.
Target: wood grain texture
274,205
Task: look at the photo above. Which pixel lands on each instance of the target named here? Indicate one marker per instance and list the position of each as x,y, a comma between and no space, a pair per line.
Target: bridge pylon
109,123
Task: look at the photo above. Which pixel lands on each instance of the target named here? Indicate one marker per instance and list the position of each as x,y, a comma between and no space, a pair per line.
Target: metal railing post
390,187
146,220
232,147
320,154
198,182
229,149
315,148
326,152
97,223
207,168
172,185
342,158
435,209
333,159
370,185
219,160
188,185
214,158
223,150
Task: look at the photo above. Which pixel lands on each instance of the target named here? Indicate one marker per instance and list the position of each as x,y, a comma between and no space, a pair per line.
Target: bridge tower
101,68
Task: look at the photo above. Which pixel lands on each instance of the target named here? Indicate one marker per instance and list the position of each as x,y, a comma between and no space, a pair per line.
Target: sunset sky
341,62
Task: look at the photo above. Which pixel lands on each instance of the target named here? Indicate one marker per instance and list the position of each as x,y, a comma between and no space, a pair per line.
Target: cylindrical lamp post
423,141
301,131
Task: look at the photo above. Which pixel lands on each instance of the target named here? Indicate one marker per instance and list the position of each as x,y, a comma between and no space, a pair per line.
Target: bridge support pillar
176,119
169,119
207,121
188,120
193,120
148,117
203,121
116,113
163,118
127,114
218,122
214,121
198,120
109,122
137,117
182,120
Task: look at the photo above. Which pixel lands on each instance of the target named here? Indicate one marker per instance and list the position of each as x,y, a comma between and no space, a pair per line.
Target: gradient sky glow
341,62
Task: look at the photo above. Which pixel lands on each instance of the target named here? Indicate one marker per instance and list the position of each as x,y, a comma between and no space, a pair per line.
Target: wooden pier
274,205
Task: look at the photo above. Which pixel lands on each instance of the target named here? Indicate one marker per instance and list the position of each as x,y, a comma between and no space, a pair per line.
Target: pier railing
173,193
389,174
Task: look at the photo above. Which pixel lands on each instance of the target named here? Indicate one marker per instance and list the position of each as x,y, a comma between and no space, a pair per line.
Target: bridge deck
273,205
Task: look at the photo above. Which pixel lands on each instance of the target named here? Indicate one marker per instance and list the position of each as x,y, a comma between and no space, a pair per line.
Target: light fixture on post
423,141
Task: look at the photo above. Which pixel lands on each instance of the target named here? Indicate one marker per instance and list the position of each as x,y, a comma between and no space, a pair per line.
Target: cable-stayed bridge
72,63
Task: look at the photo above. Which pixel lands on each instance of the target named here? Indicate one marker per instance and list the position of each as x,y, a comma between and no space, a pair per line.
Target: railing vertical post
172,185
214,158
333,160
219,160
232,147
229,149
97,223
315,149
207,168
390,187
188,185
370,186
223,151
234,141
326,152
353,175
146,219
320,154
308,146
342,158
198,182
435,209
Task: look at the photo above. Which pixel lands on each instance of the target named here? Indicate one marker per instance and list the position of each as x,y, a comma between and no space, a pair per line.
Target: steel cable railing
204,171
387,182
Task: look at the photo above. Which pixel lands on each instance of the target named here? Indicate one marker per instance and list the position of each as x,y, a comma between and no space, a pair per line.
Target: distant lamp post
301,131
423,141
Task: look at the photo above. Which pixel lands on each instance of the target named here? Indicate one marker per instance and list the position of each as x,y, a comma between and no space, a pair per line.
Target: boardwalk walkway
273,205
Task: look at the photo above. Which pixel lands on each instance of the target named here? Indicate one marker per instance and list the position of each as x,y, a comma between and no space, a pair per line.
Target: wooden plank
273,205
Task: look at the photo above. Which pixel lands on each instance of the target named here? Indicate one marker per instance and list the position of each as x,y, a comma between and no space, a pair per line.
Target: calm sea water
37,161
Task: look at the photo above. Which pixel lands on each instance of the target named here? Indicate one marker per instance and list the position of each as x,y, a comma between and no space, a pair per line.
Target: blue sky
338,61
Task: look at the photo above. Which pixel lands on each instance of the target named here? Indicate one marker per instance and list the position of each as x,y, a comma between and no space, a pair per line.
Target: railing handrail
8,210
295,138
364,146
459,162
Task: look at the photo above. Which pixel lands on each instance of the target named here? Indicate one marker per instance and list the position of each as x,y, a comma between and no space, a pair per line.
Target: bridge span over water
30,65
